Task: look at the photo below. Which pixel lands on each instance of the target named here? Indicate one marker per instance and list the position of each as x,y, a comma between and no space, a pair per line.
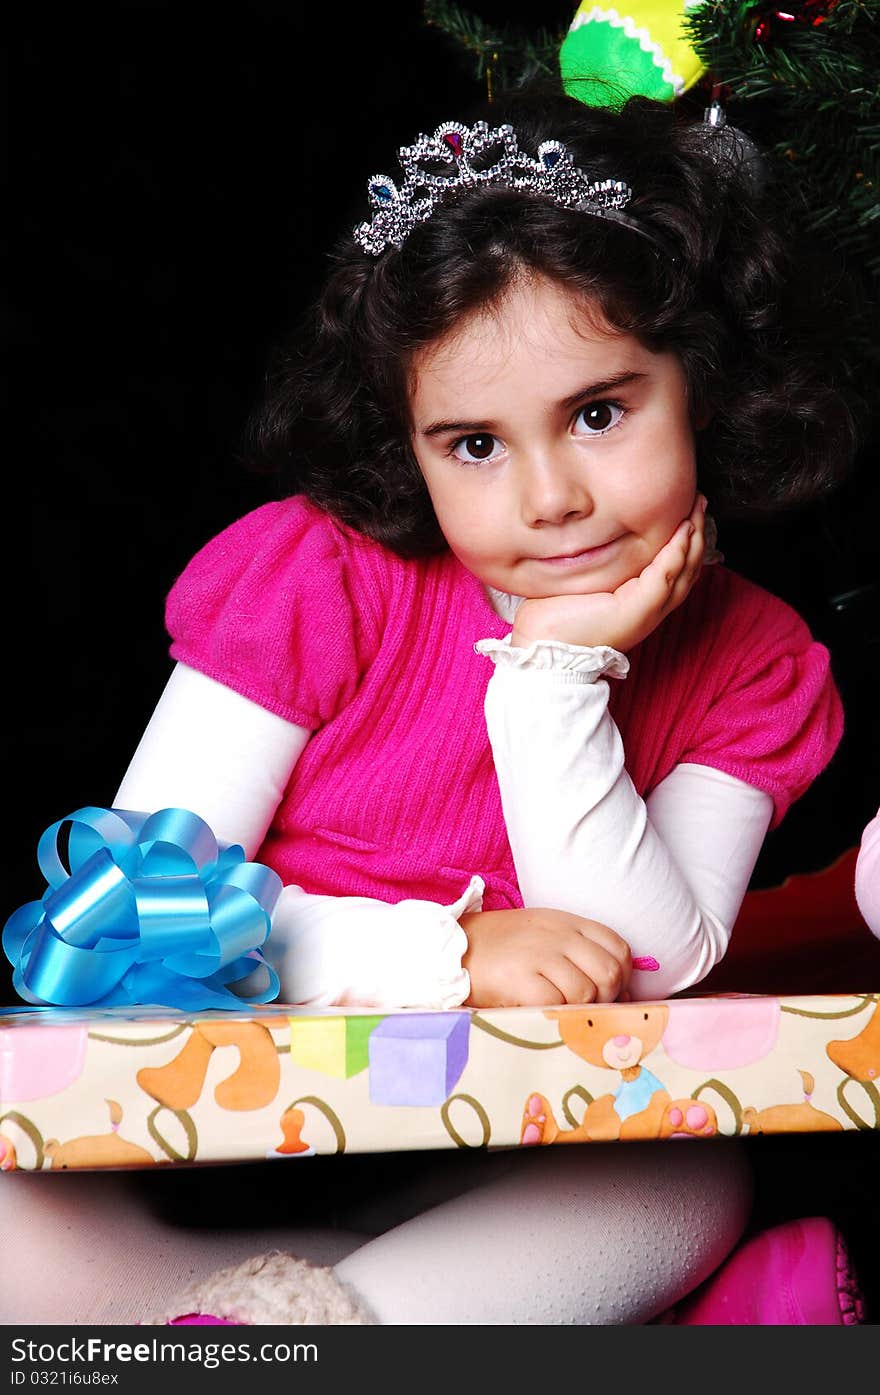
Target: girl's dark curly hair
718,283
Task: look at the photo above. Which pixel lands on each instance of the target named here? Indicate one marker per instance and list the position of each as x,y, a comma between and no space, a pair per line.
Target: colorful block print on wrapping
334,1045
136,1088
417,1060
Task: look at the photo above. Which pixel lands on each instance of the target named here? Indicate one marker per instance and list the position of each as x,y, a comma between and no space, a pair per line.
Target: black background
179,172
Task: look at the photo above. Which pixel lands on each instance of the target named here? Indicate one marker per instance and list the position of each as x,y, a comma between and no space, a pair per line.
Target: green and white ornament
609,55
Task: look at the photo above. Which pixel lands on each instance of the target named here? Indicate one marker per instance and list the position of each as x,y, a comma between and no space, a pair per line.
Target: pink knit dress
396,795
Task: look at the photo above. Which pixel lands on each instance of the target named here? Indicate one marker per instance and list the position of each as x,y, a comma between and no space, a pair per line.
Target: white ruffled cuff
567,661
419,964
352,951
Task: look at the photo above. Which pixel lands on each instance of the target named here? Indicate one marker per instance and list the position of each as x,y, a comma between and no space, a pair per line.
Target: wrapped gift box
140,1087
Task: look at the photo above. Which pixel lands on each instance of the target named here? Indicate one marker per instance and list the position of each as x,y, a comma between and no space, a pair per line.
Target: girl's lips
581,559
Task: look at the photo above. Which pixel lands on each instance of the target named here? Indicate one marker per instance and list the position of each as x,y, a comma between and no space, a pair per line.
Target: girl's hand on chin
538,958
621,619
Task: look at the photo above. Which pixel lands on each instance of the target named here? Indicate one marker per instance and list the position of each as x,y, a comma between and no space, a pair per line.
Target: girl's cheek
674,488
652,495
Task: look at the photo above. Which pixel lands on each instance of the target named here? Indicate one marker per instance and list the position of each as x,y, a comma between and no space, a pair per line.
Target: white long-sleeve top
867,885
667,873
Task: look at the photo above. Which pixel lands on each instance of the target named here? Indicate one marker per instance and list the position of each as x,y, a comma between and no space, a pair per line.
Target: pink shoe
202,1320
795,1275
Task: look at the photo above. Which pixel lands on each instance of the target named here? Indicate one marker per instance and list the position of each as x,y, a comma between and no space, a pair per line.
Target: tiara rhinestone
460,157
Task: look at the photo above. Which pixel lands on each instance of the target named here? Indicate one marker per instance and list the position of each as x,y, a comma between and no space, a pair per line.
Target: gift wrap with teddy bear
141,1087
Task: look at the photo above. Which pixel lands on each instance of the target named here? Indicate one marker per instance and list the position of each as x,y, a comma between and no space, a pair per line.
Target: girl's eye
598,417
471,449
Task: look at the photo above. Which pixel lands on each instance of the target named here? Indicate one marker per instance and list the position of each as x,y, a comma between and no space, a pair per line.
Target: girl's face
558,453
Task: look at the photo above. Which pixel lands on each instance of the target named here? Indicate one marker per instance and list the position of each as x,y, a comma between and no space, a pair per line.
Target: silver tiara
457,157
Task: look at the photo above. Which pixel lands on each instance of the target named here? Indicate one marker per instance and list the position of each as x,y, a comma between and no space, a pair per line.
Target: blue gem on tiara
479,155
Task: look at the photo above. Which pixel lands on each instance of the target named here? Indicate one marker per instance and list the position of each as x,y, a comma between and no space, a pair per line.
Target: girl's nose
555,494
621,1041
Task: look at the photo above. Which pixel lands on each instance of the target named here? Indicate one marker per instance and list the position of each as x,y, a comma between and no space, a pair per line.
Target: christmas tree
801,80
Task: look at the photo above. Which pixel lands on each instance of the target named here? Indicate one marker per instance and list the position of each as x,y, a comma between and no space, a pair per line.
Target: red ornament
812,12
805,12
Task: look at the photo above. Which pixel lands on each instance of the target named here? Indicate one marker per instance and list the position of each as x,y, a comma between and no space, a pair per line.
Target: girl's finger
546,992
575,985
609,940
692,566
606,973
663,571
692,529
693,561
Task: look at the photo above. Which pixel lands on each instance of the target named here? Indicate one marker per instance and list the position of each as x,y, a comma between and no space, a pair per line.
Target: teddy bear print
100,1149
792,1118
859,1057
618,1039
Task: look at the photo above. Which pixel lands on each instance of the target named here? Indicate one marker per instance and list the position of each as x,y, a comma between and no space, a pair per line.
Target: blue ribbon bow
153,910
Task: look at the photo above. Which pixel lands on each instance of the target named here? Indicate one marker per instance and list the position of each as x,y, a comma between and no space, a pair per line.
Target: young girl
474,692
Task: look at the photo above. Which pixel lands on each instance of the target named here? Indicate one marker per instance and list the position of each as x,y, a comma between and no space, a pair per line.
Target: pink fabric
202,1320
396,795
867,877
796,1275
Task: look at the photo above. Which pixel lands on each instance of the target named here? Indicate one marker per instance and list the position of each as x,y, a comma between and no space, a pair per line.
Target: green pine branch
504,55
810,95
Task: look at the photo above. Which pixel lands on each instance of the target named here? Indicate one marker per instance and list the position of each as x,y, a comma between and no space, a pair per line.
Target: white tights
590,1234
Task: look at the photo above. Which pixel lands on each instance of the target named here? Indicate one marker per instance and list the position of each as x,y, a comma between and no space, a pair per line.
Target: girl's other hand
621,619
540,958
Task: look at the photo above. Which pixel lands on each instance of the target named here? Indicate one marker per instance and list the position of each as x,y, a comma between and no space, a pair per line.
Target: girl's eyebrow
588,392
604,385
